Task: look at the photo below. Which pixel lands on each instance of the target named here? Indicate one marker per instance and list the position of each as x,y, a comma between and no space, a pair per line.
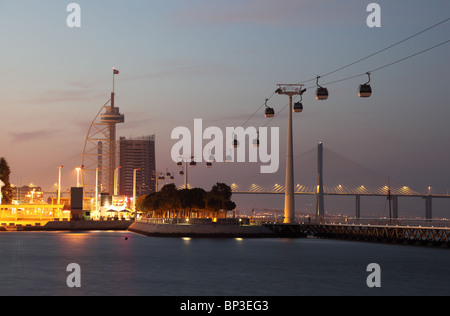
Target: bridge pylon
320,201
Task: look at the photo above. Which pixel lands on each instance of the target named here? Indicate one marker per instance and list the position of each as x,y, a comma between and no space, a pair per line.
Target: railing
441,223
165,221
194,221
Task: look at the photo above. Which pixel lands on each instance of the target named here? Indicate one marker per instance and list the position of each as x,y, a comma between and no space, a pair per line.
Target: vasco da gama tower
99,161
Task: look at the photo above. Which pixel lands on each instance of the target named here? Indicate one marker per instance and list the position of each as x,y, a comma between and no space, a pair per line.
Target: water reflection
35,264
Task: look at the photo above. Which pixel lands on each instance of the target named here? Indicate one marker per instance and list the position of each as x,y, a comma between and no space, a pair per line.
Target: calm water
35,264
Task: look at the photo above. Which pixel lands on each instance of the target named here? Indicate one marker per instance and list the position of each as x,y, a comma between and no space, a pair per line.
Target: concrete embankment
72,226
87,225
200,231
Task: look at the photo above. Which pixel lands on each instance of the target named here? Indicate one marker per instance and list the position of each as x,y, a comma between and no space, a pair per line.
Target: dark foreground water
35,264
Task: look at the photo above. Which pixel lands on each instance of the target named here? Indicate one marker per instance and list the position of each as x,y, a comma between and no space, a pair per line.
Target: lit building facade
137,153
27,195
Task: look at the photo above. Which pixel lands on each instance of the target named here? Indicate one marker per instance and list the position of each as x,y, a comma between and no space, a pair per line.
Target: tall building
137,153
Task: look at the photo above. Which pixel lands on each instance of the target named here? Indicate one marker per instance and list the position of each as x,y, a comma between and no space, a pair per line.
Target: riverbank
201,231
70,226
195,228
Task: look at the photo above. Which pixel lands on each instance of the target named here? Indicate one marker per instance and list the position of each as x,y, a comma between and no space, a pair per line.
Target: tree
174,203
170,199
193,199
4,176
219,198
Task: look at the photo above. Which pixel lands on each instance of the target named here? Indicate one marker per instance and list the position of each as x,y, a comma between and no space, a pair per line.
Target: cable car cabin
298,107
365,91
322,93
270,112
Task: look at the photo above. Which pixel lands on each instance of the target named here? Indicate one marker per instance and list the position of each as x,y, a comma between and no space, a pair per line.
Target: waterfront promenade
409,232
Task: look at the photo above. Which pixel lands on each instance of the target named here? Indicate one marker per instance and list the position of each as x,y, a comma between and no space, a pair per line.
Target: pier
408,232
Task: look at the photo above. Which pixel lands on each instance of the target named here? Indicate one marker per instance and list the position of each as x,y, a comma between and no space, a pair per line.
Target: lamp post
134,190
59,184
289,200
96,189
116,181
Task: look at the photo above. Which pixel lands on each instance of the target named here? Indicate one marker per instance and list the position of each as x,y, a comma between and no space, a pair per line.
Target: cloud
61,96
30,136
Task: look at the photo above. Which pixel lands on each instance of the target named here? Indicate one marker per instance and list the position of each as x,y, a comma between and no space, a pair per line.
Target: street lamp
116,181
289,200
96,189
59,184
134,189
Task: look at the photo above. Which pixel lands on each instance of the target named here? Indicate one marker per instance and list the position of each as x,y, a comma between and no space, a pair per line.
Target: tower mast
112,117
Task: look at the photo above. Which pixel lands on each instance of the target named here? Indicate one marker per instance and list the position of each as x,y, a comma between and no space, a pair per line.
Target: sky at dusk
218,61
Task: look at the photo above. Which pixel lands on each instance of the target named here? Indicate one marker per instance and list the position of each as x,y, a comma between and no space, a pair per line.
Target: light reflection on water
35,264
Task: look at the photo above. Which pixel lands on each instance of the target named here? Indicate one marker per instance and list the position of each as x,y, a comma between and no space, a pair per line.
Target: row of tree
187,203
4,177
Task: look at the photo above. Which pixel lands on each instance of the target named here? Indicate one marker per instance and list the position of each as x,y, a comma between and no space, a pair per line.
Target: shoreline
196,230
70,226
201,231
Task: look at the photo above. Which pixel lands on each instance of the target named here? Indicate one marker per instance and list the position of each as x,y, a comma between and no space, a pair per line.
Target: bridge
390,190
356,192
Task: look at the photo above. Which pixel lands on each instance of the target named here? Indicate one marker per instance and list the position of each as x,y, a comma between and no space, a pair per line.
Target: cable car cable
364,74
380,51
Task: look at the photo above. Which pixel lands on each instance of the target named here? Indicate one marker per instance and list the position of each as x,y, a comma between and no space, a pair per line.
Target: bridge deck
416,195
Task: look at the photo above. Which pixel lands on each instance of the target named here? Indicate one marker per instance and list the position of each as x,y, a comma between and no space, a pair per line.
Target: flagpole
114,75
